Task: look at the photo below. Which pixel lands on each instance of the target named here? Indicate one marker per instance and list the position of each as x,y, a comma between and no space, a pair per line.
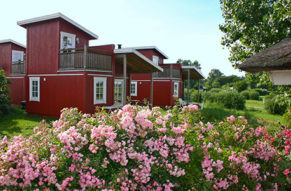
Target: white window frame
135,89
122,86
104,80
176,93
31,80
17,52
68,35
156,60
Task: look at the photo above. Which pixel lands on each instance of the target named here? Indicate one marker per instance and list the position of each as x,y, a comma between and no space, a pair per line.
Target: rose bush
137,148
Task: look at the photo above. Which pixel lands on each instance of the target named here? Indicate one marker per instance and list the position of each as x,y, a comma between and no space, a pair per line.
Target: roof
194,72
23,23
276,57
149,48
138,62
12,41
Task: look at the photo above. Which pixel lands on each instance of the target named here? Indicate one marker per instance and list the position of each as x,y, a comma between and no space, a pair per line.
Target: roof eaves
55,16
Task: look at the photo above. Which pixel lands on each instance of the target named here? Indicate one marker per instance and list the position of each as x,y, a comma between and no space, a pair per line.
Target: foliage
189,63
253,25
4,94
131,149
229,99
136,148
251,94
240,85
277,104
195,96
287,119
262,92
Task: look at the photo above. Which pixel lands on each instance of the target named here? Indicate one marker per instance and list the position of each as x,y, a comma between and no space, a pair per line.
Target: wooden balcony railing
170,71
85,59
18,67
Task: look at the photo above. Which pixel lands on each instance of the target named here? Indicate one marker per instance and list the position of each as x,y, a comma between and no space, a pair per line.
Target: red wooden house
64,71
12,60
168,85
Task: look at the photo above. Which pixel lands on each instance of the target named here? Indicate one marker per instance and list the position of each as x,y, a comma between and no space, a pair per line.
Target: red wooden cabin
168,85
64,71
12,60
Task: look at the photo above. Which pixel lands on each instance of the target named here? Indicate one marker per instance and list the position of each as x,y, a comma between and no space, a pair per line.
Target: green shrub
277,104
251,94
194,96
240,85
216,90
262,92
4,97
246,94
254,95
229,99
287,119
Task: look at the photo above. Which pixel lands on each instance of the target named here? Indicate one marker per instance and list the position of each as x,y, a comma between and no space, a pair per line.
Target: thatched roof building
277,57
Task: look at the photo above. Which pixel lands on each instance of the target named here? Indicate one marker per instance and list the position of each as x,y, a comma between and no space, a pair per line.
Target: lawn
254,110
19,122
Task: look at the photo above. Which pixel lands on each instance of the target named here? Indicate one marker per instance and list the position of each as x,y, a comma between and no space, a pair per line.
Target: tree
212,80
215,73
190,63
253,25
4,98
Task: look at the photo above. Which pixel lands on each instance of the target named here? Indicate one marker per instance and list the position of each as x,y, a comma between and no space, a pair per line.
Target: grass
254,110
19,122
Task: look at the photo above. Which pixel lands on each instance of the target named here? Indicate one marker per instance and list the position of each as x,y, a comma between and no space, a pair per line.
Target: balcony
170,71
85,59
18,68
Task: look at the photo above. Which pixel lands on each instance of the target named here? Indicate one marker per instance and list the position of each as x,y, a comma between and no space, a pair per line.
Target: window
118,91
17,56
133,88
34,93
99,90
176,89
156,60
67,40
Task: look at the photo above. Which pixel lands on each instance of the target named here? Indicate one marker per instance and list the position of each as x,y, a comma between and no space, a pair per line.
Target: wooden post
171,71
124,80
188,88
152,90
85,57
198,90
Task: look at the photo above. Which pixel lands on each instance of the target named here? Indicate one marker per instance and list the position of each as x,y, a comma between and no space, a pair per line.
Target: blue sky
186,29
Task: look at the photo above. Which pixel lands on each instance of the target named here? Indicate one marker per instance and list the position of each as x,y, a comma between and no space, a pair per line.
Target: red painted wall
5,57
57,92
43,47
17,89
149,53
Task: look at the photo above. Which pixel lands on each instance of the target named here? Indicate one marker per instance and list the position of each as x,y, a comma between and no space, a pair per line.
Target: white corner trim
31,98
104,80
12,41
54,16
11,77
